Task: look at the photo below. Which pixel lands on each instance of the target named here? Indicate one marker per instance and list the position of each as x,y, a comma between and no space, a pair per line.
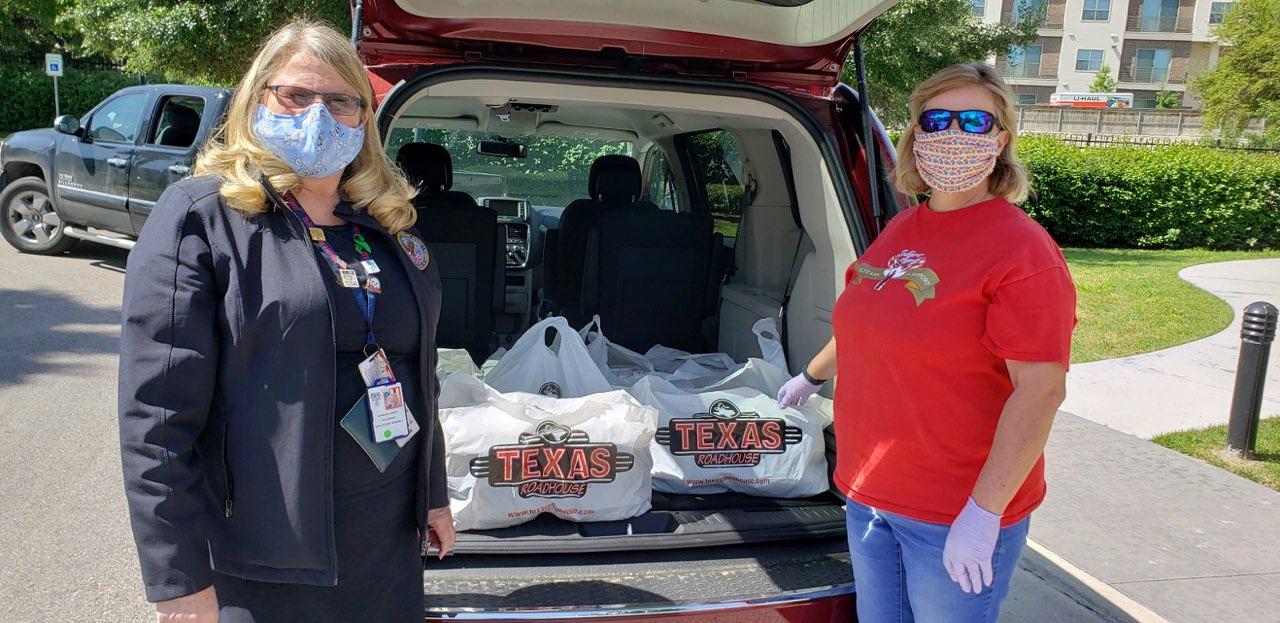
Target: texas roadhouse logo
725,436
554,461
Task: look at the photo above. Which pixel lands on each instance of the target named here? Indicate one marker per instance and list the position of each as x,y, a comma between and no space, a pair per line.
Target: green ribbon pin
361,243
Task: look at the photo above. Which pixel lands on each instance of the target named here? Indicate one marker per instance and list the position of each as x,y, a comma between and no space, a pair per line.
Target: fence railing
1155,23
1089,139
1025,69
1152,75
1110,121
1053,22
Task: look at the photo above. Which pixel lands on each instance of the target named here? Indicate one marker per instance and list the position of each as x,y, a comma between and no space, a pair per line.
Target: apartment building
1148,46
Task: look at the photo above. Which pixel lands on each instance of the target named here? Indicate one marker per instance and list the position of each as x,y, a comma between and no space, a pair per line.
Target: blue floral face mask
312,142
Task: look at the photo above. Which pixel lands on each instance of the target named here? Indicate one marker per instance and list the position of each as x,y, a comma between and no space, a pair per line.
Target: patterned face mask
953,161
312,142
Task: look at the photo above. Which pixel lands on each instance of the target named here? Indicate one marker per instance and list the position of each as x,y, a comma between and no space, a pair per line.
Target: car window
661,187
118,120
554,173
177,121
716,158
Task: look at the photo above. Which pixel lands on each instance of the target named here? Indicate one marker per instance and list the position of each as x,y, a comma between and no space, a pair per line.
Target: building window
1152,65
1158,16
1024,61
1096,10
1028,9
1217,10
979,7
1088,60
1144,101
1024,99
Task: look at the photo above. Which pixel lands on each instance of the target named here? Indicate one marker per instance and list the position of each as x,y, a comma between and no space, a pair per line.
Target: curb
1102,598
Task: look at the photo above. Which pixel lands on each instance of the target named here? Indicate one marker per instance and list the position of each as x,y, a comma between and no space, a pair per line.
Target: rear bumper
829,604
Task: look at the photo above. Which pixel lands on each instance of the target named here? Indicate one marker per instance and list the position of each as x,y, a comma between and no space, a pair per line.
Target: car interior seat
469,251
184,124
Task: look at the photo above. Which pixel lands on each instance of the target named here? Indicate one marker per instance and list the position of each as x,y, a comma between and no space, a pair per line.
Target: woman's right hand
796,391
201,607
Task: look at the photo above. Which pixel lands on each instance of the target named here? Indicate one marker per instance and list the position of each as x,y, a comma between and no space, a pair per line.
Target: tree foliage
916,38
27,31
1245,84
1167,99
190,40
1103,82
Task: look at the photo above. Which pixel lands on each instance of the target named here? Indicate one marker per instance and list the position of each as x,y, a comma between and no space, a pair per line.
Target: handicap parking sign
53,64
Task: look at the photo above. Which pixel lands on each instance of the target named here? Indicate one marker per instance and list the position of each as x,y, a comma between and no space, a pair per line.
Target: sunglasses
971,121
297,97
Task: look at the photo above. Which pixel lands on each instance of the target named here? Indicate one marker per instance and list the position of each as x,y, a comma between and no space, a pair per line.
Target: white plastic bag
734,437
563,370
621,366
769,337
450,360
514,456
689,370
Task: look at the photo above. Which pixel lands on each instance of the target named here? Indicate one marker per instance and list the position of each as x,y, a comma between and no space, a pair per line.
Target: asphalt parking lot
66,552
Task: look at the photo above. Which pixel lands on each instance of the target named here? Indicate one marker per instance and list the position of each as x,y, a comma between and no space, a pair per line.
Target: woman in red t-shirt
952,339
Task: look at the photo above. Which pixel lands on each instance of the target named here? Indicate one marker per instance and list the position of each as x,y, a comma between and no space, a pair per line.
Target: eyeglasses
298,97
971,121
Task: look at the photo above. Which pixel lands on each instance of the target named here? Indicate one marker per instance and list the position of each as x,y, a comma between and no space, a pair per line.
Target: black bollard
1257,331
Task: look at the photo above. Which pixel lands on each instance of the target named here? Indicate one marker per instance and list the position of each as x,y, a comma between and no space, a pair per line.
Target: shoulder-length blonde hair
235,155
1009,179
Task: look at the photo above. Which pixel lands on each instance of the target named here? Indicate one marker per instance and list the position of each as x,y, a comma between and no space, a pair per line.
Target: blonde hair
371,183
1009,178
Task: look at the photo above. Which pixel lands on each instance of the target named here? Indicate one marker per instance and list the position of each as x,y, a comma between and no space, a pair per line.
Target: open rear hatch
798,43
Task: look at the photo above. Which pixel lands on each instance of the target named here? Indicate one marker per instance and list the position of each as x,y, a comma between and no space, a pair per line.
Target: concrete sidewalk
1187,386
1187,540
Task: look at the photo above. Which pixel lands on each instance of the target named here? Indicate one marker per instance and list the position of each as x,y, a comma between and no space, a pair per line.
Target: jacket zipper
291,218
226,468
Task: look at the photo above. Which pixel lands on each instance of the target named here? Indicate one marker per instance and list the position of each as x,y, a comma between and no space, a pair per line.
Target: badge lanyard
366,297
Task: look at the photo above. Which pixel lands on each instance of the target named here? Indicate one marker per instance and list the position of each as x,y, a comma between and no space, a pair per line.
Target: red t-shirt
928,316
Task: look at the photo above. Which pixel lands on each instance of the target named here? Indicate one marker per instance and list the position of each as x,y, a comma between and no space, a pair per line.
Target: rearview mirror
67,124
501,149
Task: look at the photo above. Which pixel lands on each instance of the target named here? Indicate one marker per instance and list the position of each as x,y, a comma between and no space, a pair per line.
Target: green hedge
27,94
1170,197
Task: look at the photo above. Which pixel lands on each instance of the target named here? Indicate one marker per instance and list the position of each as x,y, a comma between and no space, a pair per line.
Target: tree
190,40
1167,99
1103,83
28,31
916,38
1245,84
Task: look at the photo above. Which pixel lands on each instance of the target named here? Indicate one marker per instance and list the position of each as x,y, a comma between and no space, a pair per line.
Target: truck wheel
28,220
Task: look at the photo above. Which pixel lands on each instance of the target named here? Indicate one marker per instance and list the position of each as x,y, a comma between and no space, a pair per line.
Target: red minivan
733,112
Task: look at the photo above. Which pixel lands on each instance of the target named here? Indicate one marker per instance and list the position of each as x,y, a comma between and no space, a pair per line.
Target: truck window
177,121
118,120
716,158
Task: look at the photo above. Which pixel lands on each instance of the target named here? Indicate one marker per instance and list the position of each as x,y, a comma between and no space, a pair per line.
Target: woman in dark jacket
274,302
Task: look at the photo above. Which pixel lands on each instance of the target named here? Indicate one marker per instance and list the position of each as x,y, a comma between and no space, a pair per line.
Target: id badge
376,370
413,429
387,412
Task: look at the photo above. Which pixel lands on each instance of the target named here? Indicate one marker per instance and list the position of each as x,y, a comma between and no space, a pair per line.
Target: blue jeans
899,577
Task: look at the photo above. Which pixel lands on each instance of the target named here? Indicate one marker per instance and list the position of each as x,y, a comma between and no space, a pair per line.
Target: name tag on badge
349,278
387,412
370,266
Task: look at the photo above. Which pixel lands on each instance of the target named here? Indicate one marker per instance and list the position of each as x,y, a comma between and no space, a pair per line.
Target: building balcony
1026,70
1152,75
1051,22
1158,23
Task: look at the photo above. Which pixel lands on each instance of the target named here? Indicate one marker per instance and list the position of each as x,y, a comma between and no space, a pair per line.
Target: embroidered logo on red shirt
905,265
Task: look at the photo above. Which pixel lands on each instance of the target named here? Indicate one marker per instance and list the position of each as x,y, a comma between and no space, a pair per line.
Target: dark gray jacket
227,372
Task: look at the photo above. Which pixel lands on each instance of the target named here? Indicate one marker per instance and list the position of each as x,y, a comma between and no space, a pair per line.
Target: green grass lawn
727,227
1209,445
1132,301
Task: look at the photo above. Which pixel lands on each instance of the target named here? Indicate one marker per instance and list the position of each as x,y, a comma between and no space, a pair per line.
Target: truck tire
28,220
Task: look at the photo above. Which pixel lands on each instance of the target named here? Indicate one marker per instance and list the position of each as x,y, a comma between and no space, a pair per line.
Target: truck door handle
118,162
179,169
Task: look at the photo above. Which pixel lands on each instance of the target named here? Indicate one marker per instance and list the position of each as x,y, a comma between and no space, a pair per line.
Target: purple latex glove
970,543
796,391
